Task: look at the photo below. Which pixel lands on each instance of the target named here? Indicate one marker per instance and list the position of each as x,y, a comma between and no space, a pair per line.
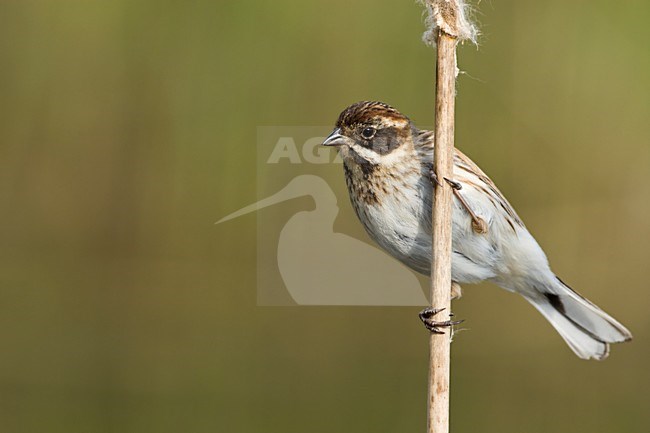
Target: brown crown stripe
366,111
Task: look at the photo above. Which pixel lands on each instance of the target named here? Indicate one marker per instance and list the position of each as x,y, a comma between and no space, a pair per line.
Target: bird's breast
395,210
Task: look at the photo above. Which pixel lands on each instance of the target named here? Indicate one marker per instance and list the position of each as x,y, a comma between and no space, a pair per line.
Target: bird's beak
335,138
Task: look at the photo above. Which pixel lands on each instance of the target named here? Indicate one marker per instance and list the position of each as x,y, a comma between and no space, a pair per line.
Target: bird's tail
587,329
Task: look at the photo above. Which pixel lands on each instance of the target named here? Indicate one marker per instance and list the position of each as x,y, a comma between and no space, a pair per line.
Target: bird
388,167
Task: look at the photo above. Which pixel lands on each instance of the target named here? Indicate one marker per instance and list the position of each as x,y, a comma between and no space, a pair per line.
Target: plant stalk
440,344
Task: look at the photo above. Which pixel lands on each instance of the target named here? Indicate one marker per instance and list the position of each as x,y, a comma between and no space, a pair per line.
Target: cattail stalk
447,25
439,346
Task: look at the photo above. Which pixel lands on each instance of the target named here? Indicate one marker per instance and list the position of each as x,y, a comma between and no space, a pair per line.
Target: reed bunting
388,166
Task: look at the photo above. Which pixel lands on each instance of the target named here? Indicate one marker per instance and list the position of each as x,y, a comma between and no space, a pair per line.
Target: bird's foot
478,224
455,185
426,316
434,179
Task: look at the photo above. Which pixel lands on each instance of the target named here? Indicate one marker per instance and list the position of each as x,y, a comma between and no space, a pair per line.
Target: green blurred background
128,127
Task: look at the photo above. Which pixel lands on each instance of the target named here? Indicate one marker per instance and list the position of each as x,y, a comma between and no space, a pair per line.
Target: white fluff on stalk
450,16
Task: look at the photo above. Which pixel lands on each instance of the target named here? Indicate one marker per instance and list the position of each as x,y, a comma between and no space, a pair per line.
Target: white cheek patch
367,154
396,156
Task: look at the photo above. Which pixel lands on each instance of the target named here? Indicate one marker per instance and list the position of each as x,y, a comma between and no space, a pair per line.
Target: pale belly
401,225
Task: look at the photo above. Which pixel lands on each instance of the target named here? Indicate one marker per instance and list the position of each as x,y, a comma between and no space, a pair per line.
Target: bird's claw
478,224
455,185
434,178
426,316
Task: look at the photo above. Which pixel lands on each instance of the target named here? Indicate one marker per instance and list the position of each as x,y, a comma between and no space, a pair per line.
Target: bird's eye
368,132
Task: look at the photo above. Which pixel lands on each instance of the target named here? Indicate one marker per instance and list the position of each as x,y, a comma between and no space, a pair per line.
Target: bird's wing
470,174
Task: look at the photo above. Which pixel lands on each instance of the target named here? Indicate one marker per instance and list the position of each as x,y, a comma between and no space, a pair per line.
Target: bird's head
371,133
